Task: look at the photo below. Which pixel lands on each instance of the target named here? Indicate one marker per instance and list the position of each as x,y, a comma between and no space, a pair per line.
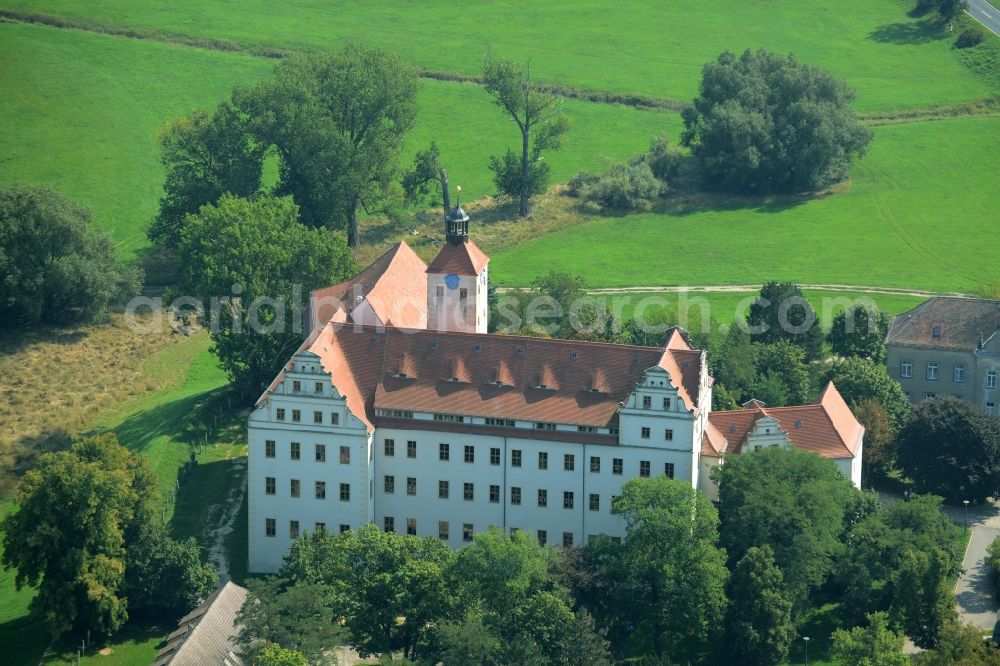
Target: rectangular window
334,418
647,401
296,488
321,490
616,466
411,486
668,434
293,529
645,433
442,490
494,456
905,369
296,386
317,417
595,464
345,455
344,528
567,539
666,403
468,492
389,484
569,462
318,387
668,470
568,499
321,453
543,537
444,451
545,426
469,454
932,371
463,294
443,530
643,468
411,449
586,429
466,532
991,379
279,414
269,485
515,495
439,294
320,527
295,451
494,494
595,502
990,408
543,460
503,423
389,524
345,492
959,374
270,527
296,415
389,448
269,448
515,458
411,526
928,396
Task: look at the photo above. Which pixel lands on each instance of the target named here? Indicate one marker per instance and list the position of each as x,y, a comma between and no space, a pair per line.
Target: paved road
985,13
974,591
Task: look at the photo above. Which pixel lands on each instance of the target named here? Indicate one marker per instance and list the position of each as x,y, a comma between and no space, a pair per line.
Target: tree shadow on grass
23,640
911,32
700,202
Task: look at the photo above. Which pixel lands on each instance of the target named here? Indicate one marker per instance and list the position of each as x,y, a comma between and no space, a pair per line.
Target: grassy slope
160,425
654,48
915,215
81,111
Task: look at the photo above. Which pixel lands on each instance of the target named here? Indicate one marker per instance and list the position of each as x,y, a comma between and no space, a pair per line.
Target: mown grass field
920,212
652,48
81,112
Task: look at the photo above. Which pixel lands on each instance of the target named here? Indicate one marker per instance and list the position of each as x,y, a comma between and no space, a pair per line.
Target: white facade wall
266,552
445,312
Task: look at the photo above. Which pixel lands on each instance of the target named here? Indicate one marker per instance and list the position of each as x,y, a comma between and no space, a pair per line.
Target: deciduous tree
296,616
858,379
758,624
876,644
860,331
781,312
540,119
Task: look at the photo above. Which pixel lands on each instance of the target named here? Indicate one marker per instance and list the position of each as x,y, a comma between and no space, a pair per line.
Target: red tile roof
585,381
394,287
827,427
461,259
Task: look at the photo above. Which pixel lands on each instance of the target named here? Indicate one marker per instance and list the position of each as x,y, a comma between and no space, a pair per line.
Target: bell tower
457,279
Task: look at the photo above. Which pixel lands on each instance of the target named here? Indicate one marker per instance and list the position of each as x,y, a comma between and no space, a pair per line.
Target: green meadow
656,48
920,212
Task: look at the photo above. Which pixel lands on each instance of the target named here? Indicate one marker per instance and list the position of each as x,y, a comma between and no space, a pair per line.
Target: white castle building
400,410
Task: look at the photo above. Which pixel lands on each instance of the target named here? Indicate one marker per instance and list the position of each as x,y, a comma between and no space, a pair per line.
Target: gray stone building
948,346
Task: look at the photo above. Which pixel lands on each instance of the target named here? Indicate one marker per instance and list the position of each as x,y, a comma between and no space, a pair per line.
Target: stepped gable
946,322
461,259
827,427
393,285
365,362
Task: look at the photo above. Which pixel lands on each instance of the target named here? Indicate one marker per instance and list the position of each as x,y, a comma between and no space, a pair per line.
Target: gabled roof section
204,636
827,427
461,259
946,322
393,286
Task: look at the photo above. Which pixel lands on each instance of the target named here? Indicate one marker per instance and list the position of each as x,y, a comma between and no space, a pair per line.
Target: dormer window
732,428
937,331
798,423
543,387
572,355
401,375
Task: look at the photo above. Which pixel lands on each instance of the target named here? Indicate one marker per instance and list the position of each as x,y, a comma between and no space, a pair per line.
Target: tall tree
876,644
793,501
764,122
671,564
205,157
758,626
959,645
952,448
533,110
879,452
77,512
859,379
293,615
260,263
924,601
55,266
782,374
781,312
860,331
338,121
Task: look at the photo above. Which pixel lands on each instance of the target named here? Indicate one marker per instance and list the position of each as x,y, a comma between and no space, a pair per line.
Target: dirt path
724,288
223,517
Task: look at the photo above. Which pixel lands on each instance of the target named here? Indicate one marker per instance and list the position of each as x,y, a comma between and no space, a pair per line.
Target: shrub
620,188
969,38
993,564
663,161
